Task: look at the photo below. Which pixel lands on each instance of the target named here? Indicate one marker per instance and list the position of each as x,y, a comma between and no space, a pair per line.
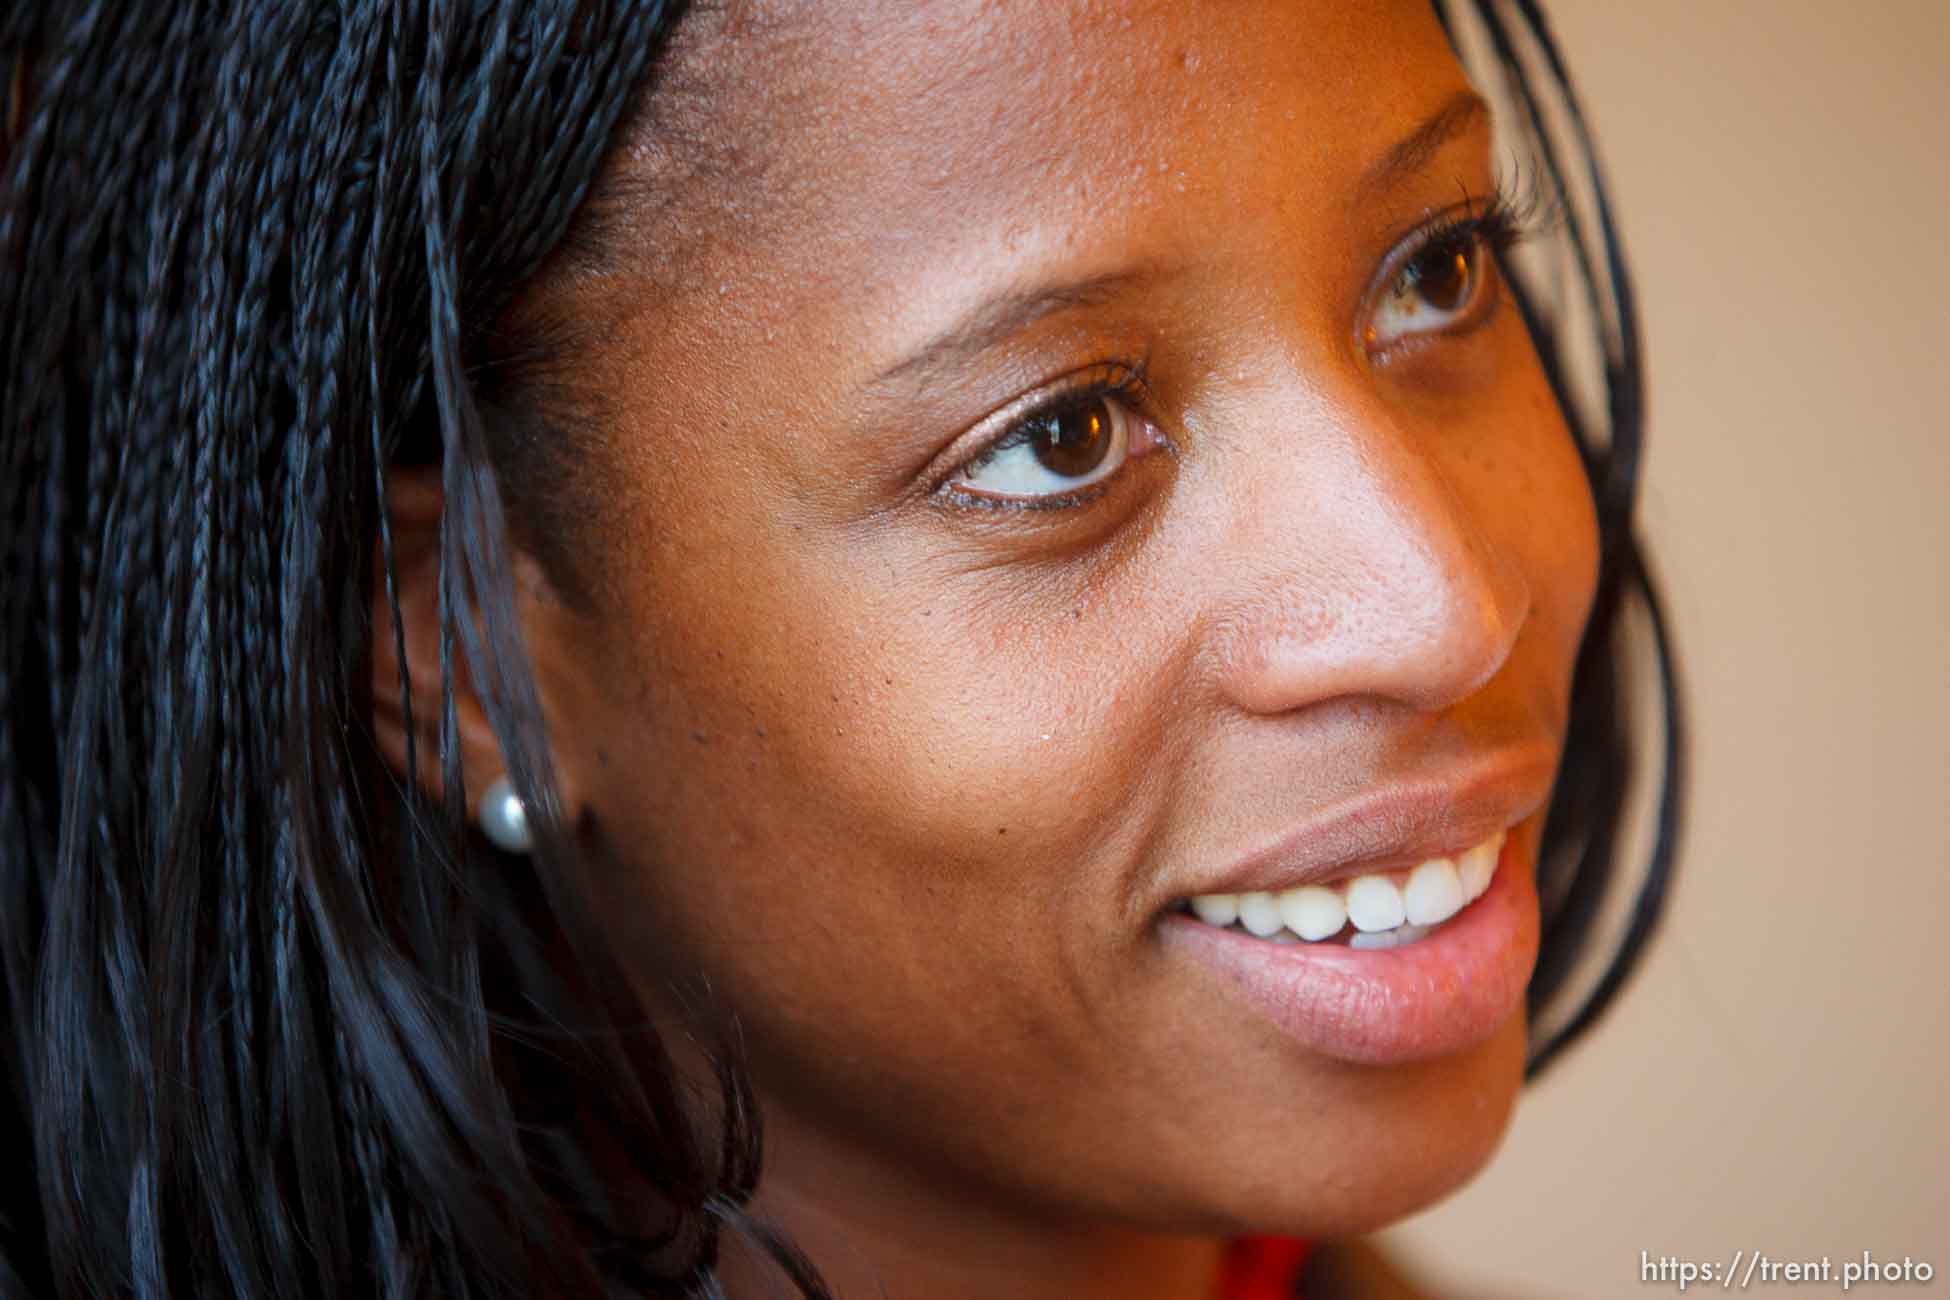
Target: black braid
274,1030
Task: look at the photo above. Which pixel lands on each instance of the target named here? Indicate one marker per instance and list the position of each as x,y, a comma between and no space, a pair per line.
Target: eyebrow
1005,315
1463,112
1009,313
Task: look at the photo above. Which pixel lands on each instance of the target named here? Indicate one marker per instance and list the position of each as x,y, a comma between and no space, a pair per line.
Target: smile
1398,992
1376,910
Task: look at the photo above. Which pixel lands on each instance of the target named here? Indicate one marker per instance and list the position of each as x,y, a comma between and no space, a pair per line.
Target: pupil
1074,442
1442,276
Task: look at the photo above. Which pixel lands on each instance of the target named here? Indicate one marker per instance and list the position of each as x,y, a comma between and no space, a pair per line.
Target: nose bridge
1359,568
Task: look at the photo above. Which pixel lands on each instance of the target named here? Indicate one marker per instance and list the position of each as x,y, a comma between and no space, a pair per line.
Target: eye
1446,283
1054,452
1445,279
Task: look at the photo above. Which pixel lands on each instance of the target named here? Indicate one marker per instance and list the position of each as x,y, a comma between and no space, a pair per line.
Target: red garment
1263,1268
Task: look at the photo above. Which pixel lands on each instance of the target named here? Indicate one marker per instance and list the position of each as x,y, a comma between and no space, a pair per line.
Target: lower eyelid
1065,501
953,497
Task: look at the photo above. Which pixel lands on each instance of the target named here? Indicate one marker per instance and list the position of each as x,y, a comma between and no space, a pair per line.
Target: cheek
822,770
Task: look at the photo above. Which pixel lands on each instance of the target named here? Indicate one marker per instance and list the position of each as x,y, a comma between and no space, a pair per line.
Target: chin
1408,1136
1441,1124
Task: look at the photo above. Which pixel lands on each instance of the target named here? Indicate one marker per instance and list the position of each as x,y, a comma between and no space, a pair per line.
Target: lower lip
1442,994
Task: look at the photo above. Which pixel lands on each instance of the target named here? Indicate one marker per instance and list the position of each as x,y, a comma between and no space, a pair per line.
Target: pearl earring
504,818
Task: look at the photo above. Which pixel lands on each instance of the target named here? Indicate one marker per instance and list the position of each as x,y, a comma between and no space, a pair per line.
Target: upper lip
1394,827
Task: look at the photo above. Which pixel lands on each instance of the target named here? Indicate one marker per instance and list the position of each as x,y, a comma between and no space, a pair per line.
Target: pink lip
1442,994
1396,827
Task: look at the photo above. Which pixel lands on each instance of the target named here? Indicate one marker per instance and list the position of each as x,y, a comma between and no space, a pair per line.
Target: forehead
862,136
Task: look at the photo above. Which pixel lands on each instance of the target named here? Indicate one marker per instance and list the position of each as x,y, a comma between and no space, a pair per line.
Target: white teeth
1373,903
1217,909
1387,910
1478,865
1434,892
1313,913
1260,915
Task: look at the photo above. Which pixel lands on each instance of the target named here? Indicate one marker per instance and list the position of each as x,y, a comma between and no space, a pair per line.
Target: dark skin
910,773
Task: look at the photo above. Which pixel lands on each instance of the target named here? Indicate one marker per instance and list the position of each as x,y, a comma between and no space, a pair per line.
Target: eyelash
1506,219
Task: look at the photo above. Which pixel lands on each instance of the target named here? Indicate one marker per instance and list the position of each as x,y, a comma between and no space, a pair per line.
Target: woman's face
915,754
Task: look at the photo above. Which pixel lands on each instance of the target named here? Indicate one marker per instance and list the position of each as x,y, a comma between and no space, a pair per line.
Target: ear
414,504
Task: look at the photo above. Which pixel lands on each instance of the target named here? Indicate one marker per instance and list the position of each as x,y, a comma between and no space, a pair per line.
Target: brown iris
1442,274
1075,441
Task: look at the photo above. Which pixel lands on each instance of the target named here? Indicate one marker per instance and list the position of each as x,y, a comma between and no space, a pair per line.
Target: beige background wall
1778,1079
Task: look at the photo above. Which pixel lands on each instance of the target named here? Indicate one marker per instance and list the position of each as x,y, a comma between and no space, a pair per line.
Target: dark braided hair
269,1034
277,1024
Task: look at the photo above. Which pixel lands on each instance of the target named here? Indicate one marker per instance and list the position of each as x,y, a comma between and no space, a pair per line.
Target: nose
1354,566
